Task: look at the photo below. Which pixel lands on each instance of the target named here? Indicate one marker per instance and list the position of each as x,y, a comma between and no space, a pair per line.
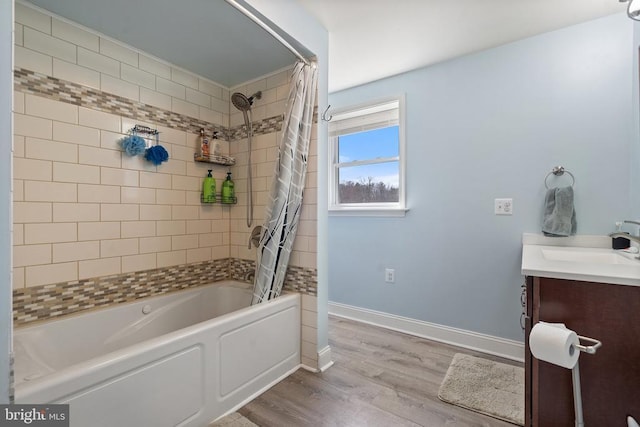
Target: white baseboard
324,359
502,347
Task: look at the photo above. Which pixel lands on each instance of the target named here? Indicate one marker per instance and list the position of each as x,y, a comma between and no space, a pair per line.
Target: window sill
368,212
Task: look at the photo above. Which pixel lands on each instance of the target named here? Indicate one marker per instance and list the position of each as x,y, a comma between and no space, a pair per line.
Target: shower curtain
283,211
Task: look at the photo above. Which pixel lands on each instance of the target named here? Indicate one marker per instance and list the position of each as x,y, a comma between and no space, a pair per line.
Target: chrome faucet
256,233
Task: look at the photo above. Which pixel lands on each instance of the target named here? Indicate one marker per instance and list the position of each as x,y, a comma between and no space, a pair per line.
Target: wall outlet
503,206
389,275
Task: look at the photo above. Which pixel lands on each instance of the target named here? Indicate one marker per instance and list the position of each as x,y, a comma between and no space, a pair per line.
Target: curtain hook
324,115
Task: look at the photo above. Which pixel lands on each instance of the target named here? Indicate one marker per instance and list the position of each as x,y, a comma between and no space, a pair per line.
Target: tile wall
84,209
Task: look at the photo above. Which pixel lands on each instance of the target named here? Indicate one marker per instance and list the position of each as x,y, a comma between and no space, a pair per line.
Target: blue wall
484,126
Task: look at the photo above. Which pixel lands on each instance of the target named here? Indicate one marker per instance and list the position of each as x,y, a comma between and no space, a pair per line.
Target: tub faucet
256,233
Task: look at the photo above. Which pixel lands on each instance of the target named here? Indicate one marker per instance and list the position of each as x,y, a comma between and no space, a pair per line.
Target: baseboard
489,344
324,359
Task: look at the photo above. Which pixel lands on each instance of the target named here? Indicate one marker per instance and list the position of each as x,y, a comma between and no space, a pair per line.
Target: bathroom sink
588,256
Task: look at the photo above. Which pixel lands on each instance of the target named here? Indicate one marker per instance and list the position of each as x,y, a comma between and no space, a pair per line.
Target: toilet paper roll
553,343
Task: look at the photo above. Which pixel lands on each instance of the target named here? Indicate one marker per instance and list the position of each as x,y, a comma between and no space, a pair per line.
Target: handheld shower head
242,103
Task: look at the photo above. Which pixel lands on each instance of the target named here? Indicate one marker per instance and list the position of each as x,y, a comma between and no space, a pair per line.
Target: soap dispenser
228,190
216,145
209,189
620,242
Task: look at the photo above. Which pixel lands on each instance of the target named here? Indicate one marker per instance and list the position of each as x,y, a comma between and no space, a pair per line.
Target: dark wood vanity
610,378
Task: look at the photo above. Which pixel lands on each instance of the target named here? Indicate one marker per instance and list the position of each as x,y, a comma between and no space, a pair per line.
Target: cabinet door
611,377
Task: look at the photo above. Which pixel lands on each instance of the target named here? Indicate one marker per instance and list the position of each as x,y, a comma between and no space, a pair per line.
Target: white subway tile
308,260
40,191
36,170
184,78
279,79
210,116
17,275
155,180
138,229
32,60
18,234
99,119
119,52
167,259
138,163
29,212
220,252
98,267
198,255
309,302
170,88
98,230
138,262
51,273
309,334
198,98
76,212
118,247
155,212
119,87
308,350
76,134
45,149
198,226
99,157
151,97
155,244
138,195
18,34
220,106
210,239
98,62
50,233
170,228
64,252
180,182
154,67
210,212
121,212
184,212
309,318
32,126
113,176
111,140
70,172
18,102
75,73
173,136
138,77
48,45
88,193
74,34
176,167
180,152
49,109
188,241
170,197
32,18
183,107
209,88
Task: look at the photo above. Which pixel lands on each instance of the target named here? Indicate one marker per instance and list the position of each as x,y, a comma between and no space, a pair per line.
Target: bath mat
233,420
485,386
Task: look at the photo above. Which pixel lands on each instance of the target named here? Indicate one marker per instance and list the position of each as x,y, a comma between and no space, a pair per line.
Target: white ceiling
373,39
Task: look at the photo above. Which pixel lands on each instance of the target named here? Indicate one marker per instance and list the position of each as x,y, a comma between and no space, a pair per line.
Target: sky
377,143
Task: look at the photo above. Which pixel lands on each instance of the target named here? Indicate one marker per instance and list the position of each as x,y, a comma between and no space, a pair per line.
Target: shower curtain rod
249,14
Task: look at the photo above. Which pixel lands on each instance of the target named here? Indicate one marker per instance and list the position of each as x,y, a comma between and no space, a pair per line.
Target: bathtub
182,359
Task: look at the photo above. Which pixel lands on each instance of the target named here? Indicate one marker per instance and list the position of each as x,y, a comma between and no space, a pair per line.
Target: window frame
367,209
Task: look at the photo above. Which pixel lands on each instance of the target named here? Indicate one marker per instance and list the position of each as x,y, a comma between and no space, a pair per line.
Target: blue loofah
156,154
133,145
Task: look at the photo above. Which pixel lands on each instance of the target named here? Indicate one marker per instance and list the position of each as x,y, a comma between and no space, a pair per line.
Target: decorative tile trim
46,302
72,93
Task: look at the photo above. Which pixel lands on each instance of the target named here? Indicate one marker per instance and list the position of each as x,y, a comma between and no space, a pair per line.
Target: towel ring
559,171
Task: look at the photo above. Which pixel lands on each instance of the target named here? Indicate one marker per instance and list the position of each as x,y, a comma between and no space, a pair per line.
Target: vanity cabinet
610,378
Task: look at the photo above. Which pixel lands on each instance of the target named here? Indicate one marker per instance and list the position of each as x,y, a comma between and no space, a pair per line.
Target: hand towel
559,214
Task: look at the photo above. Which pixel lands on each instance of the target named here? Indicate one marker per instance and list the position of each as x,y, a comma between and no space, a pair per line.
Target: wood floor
379,378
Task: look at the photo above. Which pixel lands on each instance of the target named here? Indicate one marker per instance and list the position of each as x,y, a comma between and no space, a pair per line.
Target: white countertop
577,262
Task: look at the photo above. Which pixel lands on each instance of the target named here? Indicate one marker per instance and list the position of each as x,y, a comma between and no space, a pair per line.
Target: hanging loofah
133,145
156,154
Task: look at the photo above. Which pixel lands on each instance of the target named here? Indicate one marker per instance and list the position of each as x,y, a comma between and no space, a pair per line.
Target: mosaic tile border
46,302
73,93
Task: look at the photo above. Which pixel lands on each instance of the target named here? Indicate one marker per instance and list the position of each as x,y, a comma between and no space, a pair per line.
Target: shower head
242,103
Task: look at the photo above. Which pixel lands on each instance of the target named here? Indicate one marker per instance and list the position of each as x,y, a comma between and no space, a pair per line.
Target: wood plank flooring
379,378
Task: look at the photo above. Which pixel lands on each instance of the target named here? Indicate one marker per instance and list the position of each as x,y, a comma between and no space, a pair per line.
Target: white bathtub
197,355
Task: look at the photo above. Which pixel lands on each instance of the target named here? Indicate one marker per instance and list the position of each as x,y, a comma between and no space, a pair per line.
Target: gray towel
559,214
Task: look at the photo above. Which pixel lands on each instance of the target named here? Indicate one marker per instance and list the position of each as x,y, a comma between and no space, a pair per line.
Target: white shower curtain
283,212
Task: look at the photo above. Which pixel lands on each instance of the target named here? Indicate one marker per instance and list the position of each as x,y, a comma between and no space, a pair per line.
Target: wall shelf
219,200
216,160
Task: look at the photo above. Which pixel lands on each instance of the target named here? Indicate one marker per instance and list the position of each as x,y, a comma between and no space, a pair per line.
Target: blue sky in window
377,143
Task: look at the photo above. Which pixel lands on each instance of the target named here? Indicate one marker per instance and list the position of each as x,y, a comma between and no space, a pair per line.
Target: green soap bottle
228,190
209,189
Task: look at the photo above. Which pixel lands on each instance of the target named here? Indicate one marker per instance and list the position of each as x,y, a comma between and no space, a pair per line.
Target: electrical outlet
389,275
503,206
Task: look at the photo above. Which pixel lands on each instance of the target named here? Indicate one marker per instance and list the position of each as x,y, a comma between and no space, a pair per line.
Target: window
367,160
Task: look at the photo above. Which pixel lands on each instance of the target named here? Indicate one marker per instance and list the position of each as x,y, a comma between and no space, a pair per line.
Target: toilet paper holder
589,349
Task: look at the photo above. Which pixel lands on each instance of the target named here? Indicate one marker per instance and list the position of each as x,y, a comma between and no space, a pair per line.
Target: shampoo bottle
204,144
216,144
209,189
228,190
